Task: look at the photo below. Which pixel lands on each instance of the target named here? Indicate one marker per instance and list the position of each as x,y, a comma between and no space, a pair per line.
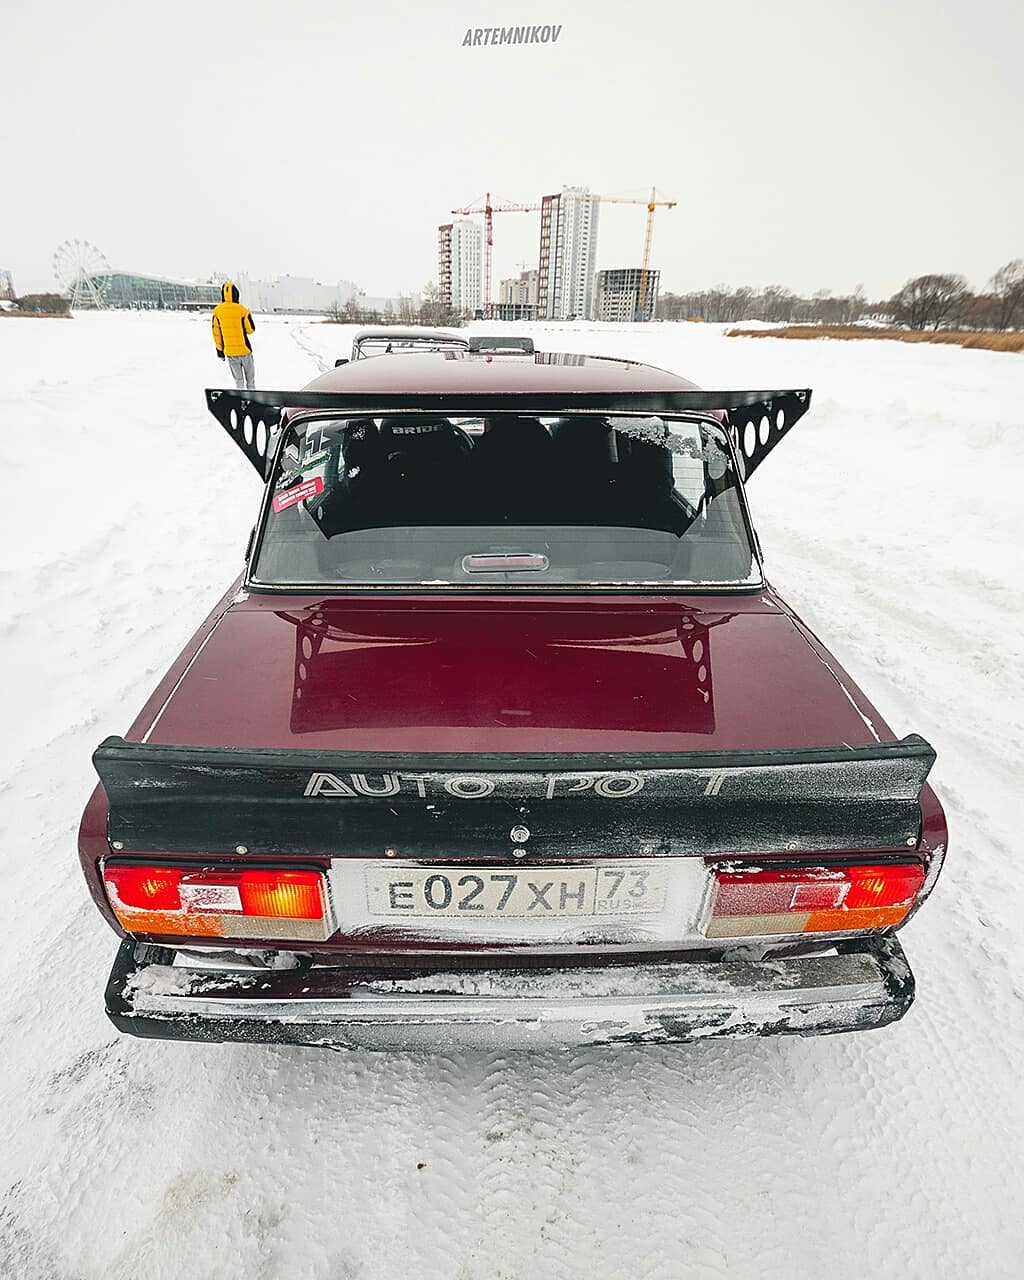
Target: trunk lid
503,675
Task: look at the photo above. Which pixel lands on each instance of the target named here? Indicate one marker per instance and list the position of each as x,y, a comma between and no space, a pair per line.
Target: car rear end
505,740
430,902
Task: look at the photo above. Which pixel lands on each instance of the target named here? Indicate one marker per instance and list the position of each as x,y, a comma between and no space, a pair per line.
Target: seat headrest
591,441
511,428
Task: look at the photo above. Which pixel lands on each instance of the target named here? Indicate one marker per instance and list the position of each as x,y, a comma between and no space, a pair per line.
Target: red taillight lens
813,900
220,902
884,886
145,888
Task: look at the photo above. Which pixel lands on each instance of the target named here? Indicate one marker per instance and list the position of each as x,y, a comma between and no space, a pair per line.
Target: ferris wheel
83,272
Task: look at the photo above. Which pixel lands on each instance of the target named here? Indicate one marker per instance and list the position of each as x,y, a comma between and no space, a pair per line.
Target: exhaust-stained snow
892,520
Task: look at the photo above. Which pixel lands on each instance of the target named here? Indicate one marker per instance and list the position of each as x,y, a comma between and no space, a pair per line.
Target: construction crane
489,210
652,204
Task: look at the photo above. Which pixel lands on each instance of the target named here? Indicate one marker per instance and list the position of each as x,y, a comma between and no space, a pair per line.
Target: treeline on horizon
39,304
925,302
432,311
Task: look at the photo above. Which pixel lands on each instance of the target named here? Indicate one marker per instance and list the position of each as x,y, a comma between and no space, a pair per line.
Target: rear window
507,500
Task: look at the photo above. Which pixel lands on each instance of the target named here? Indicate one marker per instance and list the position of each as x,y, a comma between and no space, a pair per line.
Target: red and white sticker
298,493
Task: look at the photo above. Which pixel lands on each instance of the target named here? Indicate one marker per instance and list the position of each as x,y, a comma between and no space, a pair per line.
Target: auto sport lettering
475,786
546,34
298,493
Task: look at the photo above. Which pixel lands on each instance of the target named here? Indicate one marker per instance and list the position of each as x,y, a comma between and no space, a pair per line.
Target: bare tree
434,310
431,308
778,303
930,301
981,312
1007,288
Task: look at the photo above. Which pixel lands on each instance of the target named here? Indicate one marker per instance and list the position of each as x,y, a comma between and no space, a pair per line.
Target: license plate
415,892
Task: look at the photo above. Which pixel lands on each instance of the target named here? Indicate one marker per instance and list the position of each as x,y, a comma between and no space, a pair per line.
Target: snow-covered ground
893,521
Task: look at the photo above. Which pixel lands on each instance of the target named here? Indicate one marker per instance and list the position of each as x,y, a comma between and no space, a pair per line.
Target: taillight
750,904
220,902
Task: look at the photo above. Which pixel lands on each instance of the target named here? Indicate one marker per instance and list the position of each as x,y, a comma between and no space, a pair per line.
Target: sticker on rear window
298,493
316,460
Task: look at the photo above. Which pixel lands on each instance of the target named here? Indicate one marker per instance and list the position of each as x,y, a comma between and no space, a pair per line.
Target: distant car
506,738
390,340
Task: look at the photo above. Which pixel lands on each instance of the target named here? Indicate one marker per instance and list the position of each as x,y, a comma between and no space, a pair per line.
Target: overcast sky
814,143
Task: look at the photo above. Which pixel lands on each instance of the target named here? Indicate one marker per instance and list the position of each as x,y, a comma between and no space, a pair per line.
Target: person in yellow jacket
232,325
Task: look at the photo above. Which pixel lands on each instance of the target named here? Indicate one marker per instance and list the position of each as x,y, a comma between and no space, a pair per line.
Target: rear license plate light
748,904
215,902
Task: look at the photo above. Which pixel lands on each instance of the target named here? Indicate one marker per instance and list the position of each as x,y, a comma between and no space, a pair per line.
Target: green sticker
316,460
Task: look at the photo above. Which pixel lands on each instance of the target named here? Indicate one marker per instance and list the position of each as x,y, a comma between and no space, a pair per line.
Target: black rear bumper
868,983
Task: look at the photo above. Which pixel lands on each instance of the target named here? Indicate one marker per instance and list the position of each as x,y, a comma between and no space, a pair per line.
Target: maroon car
502,737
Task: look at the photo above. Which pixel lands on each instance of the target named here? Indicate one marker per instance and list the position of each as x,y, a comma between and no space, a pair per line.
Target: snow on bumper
867,985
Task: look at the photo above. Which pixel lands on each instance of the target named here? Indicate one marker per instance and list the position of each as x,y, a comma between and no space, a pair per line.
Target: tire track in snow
587,1153
623,1175
530,1115
453,1163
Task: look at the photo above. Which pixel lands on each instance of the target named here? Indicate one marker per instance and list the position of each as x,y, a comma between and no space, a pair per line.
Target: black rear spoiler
757,419
435,806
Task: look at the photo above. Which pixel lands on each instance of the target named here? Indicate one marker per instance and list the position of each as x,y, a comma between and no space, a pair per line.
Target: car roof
489,374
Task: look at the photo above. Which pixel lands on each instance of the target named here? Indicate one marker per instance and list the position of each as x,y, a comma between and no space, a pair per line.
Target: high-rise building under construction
460,265
626,294
568,252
